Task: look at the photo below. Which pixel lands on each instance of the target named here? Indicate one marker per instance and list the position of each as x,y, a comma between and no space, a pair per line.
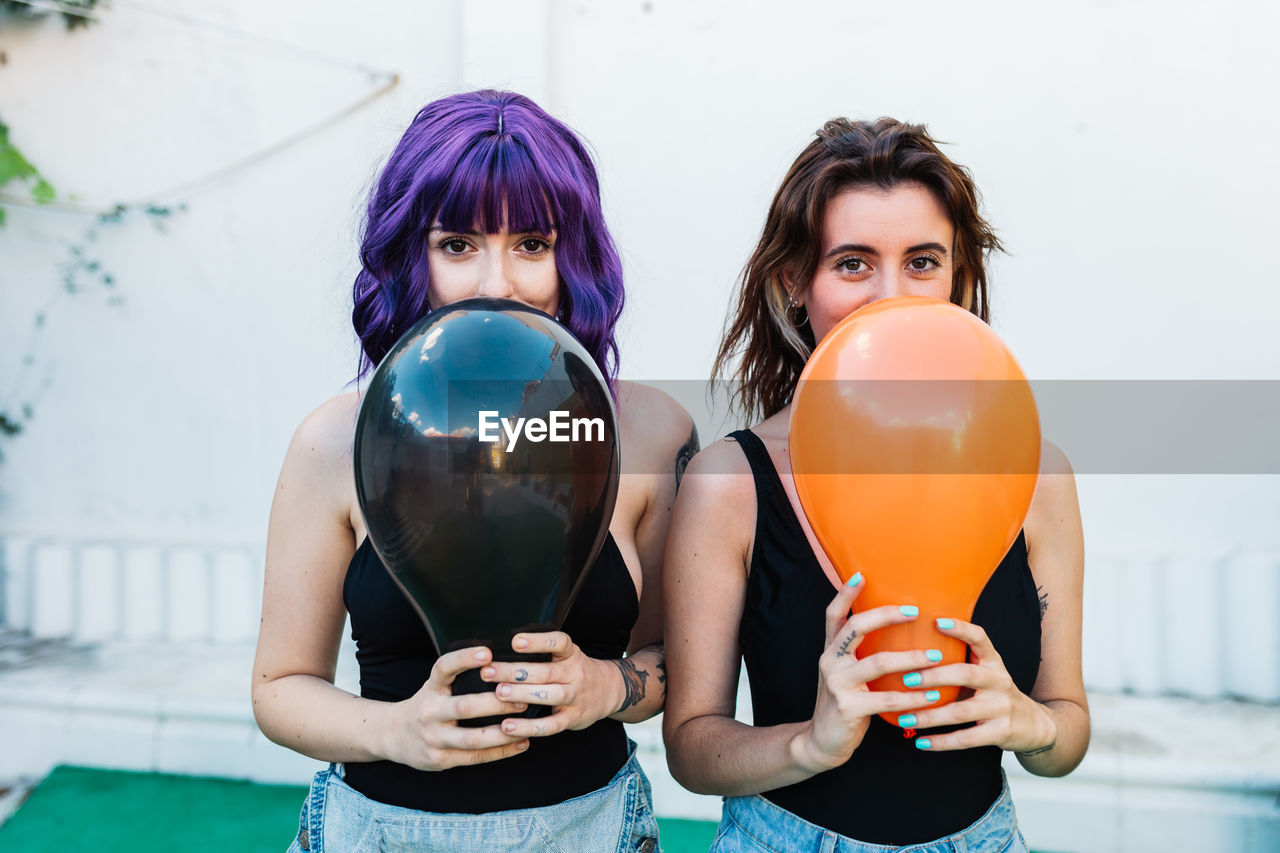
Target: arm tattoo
686,453
844,647
661,649
1044,601
634,679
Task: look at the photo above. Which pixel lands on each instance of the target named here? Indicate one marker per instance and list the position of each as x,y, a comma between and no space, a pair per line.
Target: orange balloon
915,447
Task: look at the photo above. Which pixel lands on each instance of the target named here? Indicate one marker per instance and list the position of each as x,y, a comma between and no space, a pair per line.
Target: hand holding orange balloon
915,447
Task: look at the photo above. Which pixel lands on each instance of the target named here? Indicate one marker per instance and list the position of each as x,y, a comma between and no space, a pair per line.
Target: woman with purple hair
485,195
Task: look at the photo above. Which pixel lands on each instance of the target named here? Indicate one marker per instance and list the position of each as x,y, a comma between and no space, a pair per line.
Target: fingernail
907,721
855,580
482,654
522,745
508,726
909,610
933,655
932,696
519,642
946,624
912,679
504,690
488,672
923,743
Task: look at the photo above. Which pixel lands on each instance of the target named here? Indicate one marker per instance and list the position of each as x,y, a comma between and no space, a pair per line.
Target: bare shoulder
325,435
719,477
1055,494
1055,538
330,427
713,527
655,428
319,455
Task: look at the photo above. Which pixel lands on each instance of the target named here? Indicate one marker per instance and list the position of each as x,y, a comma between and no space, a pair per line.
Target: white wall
1125,152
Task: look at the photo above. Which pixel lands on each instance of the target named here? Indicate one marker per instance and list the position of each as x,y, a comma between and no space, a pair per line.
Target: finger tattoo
539,694
843,651
522,674
634,679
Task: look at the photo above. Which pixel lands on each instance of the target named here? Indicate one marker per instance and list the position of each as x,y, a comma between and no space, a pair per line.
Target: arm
645,669
707,559
310,541
657,434
1049,729
1055,549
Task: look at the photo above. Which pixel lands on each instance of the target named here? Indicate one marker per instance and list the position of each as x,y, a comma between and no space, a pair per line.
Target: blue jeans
753,824
618,817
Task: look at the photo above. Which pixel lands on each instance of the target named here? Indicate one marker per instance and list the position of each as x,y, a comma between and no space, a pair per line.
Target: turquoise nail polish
855,580
923,743
933,655
932,696
909,610
912,679
946,624
907,721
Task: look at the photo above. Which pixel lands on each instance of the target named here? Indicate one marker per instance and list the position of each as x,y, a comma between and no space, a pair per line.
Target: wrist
805,754
1044,735
381,725
614,681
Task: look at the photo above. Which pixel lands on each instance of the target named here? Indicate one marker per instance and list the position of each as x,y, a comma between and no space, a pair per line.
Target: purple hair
486,159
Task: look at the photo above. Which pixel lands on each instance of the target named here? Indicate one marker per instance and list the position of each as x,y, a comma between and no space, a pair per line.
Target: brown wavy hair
773,340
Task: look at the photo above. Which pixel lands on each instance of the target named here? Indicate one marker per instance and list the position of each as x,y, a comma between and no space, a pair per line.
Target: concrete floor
1162,773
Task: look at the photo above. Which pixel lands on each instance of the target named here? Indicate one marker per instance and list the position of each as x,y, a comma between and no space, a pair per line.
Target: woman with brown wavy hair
868,211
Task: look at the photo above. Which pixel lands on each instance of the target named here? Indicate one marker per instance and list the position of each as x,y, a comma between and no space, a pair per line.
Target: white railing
98,590
1200,625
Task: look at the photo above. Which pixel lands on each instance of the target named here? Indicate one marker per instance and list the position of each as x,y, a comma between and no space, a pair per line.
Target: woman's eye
533,245
454,247
852,265
924,263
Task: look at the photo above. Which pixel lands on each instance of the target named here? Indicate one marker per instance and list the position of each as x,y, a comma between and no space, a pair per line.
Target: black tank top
888,792
396,654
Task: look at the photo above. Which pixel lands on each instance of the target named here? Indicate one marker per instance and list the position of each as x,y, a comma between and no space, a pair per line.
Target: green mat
115,811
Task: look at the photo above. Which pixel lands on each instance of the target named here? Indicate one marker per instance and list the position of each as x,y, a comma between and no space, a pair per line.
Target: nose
495,277
892,283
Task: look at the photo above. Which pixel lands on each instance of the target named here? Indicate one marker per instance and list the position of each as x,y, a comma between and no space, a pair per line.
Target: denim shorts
618,817
753,824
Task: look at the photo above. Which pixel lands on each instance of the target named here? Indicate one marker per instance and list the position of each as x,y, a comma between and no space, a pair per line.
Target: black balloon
487,538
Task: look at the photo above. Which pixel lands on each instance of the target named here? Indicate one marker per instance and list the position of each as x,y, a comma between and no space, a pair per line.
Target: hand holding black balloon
486,463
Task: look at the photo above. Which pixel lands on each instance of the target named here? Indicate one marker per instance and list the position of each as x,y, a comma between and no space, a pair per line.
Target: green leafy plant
14,167
74,12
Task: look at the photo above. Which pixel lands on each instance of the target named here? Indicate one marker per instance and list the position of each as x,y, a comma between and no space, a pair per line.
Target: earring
795,308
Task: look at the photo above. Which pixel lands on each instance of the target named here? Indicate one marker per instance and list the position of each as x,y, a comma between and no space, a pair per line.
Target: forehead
905,215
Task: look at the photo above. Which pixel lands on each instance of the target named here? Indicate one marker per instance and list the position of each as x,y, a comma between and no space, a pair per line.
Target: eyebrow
867,250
